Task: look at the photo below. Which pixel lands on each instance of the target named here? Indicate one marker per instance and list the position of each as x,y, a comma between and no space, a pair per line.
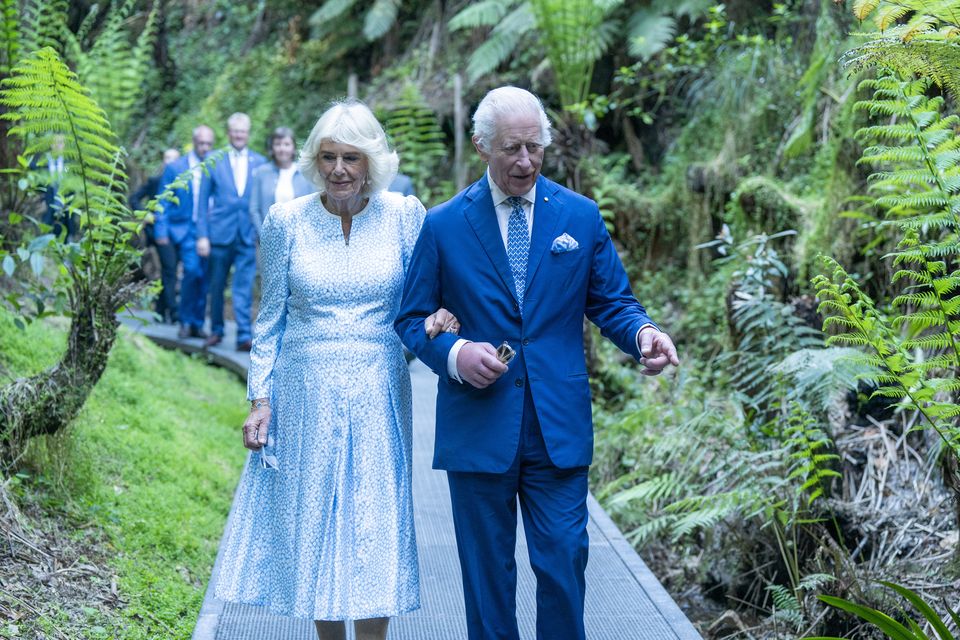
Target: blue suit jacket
175,219
224,215
460,263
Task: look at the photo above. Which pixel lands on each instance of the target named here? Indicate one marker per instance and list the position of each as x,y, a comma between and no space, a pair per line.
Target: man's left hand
656,351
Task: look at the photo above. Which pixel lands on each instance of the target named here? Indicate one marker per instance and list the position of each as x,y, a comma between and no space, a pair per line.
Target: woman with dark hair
277,181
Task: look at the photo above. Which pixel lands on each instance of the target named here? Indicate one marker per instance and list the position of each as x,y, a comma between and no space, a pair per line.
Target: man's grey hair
505,101
351,122
200,128
239,120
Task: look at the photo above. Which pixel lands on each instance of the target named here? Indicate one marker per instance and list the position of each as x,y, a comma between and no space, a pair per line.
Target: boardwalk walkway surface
624,599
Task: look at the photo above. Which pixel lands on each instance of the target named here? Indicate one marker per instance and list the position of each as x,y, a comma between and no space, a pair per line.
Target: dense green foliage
146,469
728,145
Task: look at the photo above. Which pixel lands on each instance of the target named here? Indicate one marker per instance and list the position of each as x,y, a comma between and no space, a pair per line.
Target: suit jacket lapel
481,215
549,218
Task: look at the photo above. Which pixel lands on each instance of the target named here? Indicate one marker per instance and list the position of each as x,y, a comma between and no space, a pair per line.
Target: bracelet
258,404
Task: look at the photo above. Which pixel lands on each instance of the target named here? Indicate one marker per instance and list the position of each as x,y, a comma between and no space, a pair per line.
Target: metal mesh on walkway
624,600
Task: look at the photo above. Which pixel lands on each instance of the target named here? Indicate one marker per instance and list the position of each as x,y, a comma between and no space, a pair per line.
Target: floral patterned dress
329,533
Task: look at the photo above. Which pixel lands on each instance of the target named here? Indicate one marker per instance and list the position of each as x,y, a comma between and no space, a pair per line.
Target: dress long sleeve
272,318
413,215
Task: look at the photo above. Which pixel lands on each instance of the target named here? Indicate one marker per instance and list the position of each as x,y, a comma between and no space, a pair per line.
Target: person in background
165,304
402,184
519,259
55,167
225,233
323,520
175,232
278,181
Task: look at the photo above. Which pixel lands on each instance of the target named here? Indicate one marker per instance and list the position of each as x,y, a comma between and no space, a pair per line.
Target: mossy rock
762,205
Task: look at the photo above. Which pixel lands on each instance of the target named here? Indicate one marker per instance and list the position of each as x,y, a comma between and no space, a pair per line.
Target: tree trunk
48,401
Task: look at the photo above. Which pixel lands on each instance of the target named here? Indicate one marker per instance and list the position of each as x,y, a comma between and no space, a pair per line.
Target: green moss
151,462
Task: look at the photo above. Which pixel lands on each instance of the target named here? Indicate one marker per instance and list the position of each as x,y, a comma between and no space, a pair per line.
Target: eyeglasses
511,150
268,460
349,159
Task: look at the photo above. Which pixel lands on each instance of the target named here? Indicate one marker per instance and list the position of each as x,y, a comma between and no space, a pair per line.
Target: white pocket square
564,243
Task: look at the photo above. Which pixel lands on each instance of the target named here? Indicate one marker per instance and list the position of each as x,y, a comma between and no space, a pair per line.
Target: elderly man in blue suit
175,227
519,259
225,232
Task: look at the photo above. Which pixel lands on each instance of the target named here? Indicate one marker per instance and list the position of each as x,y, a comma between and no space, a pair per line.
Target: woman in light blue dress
323,521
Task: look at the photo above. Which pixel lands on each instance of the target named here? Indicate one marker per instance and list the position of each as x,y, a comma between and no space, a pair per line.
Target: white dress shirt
284,191
193,161
239,161
504,209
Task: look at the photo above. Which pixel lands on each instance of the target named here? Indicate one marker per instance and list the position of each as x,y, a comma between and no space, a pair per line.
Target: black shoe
212,340
198,332
246,345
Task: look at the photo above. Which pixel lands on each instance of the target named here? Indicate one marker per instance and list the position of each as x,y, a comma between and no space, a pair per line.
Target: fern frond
380,17
863,8
91,150
486,13
501,42
330,10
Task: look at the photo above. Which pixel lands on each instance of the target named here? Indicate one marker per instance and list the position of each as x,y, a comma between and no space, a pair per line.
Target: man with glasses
519,260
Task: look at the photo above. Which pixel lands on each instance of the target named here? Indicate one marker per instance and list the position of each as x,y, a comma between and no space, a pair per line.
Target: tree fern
486,13
926,43
380,17
9,36
569,30
418,139
918,349
114,68
330,10
44,99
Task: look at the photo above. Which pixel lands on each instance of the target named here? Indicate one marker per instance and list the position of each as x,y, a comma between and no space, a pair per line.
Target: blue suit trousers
193,284
243,258
553,503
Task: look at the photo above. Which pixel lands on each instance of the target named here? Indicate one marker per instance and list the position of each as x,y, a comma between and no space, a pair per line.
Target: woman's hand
441,321
255,428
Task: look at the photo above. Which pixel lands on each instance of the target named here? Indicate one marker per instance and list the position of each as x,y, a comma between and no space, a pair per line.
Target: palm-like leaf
381,16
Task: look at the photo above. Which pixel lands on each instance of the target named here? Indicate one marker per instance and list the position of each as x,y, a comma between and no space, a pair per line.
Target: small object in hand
268,460
505,353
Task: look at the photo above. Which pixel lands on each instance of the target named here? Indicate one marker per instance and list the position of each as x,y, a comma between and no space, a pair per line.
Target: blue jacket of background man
175,219
224,215
460,263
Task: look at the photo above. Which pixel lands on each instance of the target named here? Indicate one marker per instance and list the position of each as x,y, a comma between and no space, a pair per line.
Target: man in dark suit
519,259
55,214
175,234
166,302
225,232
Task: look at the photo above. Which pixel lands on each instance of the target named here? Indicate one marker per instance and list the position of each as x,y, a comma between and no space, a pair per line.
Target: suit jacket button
516,307
518,382
525,342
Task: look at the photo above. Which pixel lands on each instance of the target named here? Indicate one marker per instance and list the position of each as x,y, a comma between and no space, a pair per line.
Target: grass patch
146,473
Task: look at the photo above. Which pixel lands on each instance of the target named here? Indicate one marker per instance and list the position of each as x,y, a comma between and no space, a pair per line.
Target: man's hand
656,351
162,242
477,363
441,321
203,247
255,428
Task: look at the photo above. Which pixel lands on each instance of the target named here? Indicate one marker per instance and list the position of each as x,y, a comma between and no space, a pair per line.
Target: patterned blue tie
518,246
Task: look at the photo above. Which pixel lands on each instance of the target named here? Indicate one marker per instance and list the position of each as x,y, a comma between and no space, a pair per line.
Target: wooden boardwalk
624,600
